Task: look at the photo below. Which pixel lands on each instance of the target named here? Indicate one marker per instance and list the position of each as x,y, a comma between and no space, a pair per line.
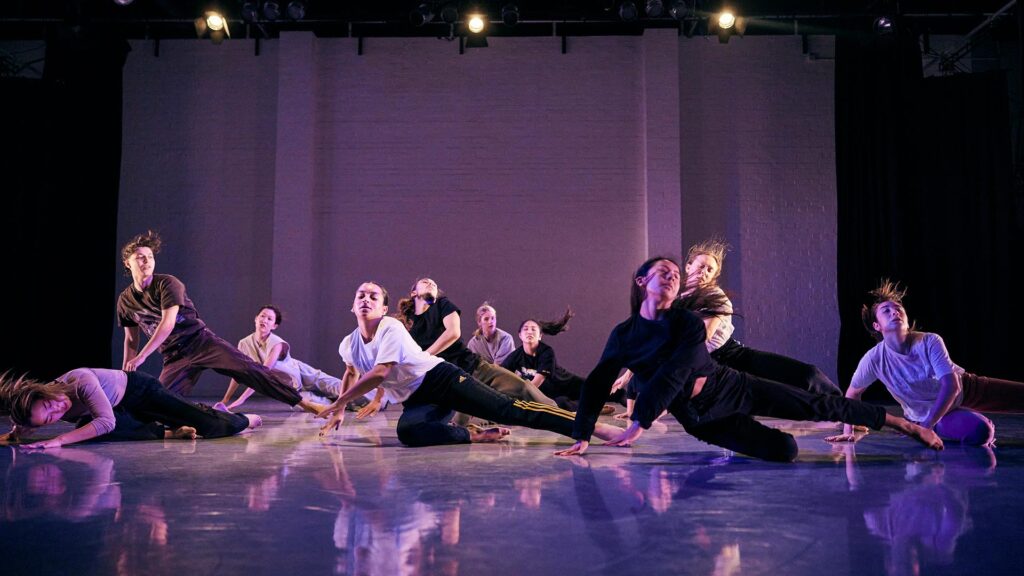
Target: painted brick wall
758,168
514,174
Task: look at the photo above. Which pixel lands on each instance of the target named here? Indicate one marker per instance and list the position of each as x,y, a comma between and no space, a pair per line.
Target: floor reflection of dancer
158,305
430,388
917,370
112,403
663,343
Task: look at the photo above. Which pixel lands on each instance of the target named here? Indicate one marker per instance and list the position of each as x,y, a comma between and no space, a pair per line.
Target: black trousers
147,407
722,414
775,367
447,389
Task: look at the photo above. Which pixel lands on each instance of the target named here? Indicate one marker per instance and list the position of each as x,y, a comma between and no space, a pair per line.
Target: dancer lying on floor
663,343
429,388
114,404
917,370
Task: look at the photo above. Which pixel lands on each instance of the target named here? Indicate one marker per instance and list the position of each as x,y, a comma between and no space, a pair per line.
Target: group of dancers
675,354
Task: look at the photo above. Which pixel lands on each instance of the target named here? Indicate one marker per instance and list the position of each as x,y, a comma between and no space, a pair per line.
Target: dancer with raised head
430,389
434,322
664,343
112,404
916,369
157,305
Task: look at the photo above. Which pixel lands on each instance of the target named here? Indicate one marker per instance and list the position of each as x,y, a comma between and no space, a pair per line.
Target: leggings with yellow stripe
446,389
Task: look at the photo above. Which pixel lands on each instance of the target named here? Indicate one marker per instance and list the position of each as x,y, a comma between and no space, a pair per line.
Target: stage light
271,10
296,10
123,2
215,21
510,14
450,13
214,25
726,20
628,11
421,15
250,11
884,25
654,8
475,23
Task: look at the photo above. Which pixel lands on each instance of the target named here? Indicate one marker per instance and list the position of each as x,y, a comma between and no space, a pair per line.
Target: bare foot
313,408
488,434
607,409
221,407
254,420
606,431
925,436
182,433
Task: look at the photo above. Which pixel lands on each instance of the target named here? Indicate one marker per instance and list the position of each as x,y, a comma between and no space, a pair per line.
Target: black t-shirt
526,366
143,309
428,327
665,356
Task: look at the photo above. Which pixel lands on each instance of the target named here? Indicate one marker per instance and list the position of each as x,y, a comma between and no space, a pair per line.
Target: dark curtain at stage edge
925,196
60,178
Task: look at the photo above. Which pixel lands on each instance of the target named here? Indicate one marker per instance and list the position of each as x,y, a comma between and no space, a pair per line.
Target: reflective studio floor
282,501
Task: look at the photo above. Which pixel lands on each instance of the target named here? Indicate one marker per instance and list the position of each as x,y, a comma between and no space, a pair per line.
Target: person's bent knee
785,450
983,434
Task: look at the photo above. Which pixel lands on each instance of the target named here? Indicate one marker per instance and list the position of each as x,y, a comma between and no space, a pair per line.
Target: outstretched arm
372,379
848,432
168,317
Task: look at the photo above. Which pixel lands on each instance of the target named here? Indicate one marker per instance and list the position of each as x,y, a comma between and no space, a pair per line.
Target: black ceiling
20,19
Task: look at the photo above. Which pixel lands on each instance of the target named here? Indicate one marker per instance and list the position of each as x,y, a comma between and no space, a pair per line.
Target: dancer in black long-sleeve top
663,343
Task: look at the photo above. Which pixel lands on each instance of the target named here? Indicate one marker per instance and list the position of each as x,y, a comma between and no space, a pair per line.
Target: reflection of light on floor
727,562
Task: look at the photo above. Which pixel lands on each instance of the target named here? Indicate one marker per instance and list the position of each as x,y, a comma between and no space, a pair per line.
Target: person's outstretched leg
776,367
509,384
155,404
741,433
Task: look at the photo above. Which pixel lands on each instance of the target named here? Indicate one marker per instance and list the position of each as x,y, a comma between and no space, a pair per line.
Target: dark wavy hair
279,318
406,313
638,293
148,239
551,327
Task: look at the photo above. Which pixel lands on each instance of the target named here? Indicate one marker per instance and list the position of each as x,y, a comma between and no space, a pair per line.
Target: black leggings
722,414
147,407
775,367
446,388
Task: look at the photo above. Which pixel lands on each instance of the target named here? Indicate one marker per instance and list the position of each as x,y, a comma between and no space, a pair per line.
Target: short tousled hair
277,312
887,291
148,239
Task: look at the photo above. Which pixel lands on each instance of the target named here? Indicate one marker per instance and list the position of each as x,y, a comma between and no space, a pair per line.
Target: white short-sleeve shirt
391,344
912,378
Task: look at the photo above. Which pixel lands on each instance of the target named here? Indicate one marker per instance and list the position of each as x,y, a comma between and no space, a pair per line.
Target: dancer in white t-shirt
917,370
429,388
